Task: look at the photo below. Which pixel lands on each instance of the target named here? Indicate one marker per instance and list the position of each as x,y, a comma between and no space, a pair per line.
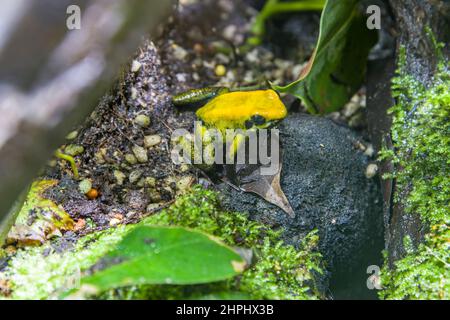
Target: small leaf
269,188
165,255
39,218
337,67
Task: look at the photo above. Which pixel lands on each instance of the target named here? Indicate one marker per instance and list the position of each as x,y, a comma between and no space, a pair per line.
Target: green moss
43,273
421,137
280,271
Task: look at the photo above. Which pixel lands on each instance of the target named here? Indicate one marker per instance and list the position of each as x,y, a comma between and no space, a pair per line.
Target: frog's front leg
237,142
199,147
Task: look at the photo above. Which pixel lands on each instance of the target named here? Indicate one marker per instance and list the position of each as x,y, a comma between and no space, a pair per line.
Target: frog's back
235,108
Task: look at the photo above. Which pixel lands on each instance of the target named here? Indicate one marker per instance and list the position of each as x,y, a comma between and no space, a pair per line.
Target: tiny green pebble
130,158
74,149
142,120
72,135
84,186
220,70
153,140
140,154
119,176
135,175
150,181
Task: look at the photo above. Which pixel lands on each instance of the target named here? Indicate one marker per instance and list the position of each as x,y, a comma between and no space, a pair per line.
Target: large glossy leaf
165,255
336,69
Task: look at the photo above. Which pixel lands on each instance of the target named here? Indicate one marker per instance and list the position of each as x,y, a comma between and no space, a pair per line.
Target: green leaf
336,69
165,255
39,218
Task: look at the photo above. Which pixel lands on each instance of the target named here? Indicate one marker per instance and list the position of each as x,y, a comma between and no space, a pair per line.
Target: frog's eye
258,120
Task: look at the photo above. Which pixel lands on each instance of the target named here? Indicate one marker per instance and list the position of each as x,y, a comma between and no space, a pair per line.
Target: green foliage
44,273
280,264
165,255
336,69
280,271
424,273
420,133
37,218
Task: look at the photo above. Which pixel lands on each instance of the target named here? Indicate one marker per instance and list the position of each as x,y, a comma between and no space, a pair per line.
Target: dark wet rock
323,178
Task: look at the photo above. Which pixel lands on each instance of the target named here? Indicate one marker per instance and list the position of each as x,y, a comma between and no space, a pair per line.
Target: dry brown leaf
268,187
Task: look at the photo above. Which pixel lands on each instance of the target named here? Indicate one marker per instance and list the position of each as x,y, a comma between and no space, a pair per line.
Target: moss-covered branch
421,138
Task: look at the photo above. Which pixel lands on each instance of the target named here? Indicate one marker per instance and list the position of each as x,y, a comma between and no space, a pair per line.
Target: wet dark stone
323,177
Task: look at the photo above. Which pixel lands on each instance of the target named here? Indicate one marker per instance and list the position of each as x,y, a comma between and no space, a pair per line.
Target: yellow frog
245,110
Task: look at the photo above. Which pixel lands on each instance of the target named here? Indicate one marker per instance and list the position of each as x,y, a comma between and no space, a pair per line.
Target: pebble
153,140
229,32
134,93
130,158
74,149
85,185
179,52
150,181
252,56
140,153
249,76
72,135
181,77
154,195
350,109
135,66
198,48
135,175
92,194
184,167
79,225
152,207
369,151
371,170
222,58
141,182
114,222
220,70
142,120
119,176
183,183
131,214
99,156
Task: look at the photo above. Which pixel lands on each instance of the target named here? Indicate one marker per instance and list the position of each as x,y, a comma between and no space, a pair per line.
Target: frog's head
243,109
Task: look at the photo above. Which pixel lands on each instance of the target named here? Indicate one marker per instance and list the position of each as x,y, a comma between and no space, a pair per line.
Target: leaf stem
69,159
273,7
